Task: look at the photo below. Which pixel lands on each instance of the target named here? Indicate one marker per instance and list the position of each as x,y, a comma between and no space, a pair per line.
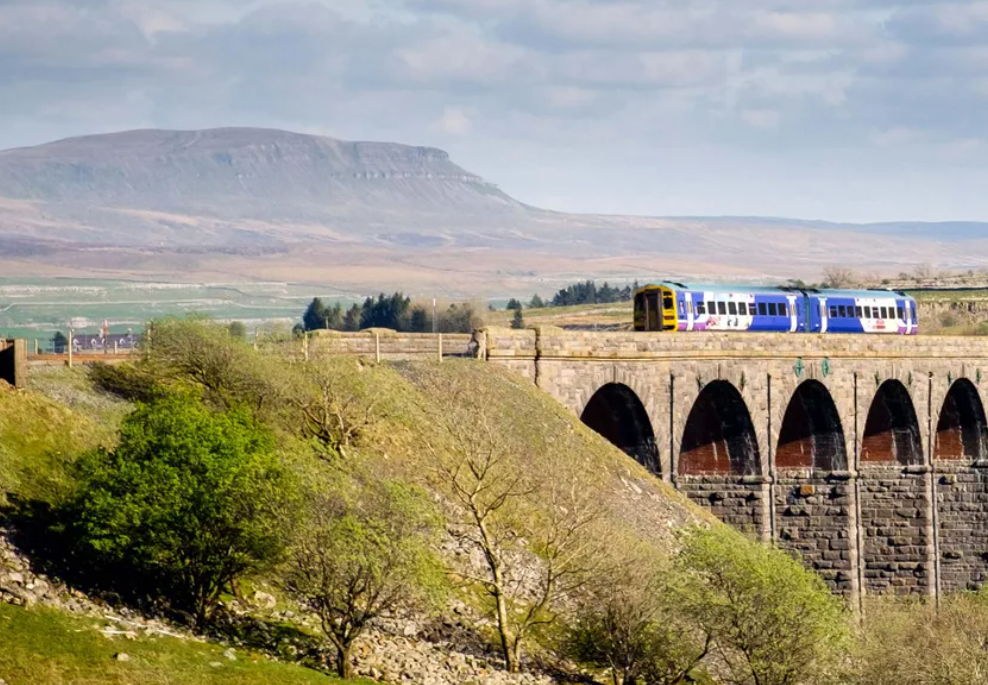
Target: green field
36,308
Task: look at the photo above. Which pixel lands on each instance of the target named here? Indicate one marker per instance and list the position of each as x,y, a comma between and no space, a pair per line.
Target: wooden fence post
70,347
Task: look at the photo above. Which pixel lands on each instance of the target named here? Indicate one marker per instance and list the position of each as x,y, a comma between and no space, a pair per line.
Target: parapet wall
13,362
386,344
551,342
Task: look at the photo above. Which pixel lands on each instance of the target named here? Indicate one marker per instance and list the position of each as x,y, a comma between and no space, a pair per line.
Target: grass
618,313
39,438
44,646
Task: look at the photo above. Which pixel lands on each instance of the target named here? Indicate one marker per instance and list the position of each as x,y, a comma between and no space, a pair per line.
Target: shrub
906,641
366,551
188,502
772,621
629,622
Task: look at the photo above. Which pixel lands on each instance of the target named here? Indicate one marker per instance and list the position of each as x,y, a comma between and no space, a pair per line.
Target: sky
841,110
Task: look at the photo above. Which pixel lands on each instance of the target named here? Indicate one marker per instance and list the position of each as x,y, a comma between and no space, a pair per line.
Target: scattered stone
230,654
121,656
265,600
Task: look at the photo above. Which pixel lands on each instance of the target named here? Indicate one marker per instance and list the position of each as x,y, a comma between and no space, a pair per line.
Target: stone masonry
864,454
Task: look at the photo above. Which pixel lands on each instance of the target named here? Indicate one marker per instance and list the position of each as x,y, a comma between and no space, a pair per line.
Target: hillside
254,204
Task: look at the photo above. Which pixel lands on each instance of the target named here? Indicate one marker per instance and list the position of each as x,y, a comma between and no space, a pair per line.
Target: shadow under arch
812,435
719,437
616,413
962,431
892,430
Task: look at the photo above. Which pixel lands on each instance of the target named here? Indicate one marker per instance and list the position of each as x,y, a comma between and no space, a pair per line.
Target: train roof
774,290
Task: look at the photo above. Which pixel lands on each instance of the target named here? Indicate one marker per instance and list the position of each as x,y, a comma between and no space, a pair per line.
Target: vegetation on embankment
360,490
49,647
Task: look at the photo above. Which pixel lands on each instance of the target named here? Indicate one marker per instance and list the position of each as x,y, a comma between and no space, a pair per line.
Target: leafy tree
189,501
518,320
237,330
59,342
628,620
319,316
513,304
589,293
536,302
420,321
386,312
351,321
459,318
773,622
365,552
228,370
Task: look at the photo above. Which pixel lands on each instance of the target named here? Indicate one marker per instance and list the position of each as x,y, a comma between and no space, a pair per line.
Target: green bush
772,621
365,550
188,502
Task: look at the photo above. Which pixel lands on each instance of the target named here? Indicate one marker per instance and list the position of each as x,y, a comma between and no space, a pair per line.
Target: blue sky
848,110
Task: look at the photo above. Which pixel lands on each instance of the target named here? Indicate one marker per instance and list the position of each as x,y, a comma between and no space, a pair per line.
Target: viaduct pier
867,455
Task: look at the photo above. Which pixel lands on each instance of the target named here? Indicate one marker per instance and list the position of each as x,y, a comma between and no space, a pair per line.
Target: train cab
655,309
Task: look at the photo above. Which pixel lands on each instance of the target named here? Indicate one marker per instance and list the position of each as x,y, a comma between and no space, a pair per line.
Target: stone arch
616,413
962,430
719,437
891,431
812,435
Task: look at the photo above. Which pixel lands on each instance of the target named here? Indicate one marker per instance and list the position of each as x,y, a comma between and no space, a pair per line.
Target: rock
17,578
264,600
121,656
215,664
230,654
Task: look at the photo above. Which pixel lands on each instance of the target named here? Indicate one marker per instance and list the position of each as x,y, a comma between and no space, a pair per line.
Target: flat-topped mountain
242,203
239,171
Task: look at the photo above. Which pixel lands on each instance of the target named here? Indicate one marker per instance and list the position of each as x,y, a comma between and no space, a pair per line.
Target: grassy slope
546,439
51,648
40,435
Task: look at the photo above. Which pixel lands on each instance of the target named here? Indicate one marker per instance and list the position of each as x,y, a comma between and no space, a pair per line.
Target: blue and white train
672,306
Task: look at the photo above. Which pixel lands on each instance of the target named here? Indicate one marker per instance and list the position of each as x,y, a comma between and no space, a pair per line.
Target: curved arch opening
616,413
812,435
892,430
719,436
962,431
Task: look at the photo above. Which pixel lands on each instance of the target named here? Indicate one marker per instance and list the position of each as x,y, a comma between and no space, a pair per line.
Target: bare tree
499,505
839,277
361,556
337,409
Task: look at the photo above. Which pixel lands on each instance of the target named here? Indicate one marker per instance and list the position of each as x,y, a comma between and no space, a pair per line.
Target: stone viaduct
867,455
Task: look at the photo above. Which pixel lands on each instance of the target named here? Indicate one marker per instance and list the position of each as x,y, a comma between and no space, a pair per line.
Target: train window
711,307
732,308
667,302
762,309
858,312
884,312
833,312
867,313
782,309
842,311
700,309
772,311
899,312
721,308
743,308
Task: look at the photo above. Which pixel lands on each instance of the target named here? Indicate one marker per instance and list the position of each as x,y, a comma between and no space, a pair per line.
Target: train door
907,309
824,321
793,314
653,311
689,310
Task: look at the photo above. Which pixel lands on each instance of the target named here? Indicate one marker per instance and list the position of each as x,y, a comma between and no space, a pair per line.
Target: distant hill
238,203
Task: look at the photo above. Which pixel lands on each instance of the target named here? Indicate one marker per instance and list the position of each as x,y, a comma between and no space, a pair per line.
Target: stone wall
13,362
962,518
815,517
385,344
855,491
